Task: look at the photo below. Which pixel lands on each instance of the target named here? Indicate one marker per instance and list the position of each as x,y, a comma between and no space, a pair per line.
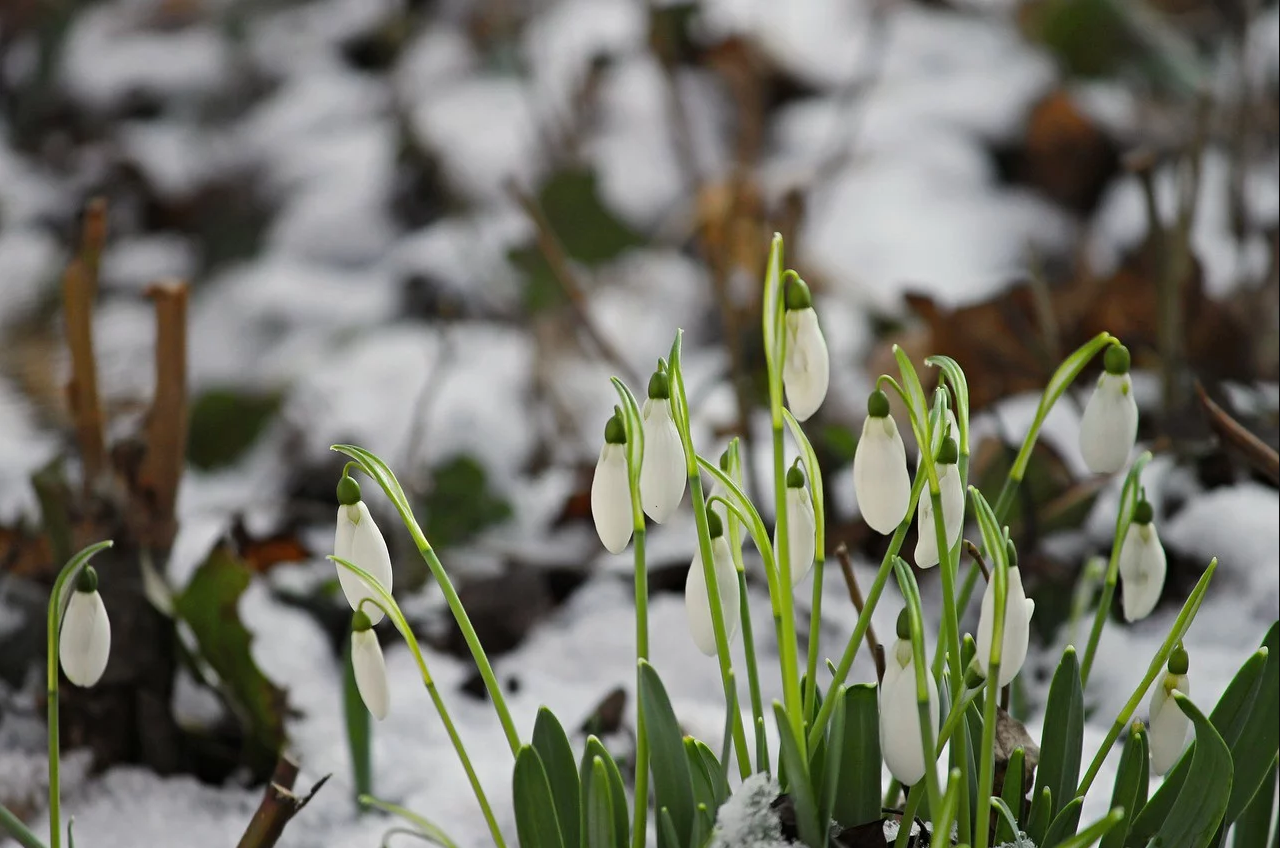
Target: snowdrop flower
1142,564
802,529
952,508
84,643
697,603
1169,723
662,474
359,541
901,744
1017,627
1110,423
880,479
806,366
369,666
611,489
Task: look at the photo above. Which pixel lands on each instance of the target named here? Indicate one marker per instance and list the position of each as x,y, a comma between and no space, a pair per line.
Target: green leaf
1132,780
1063,736
858,791
12,825
1064,824
1011,793
423,827
210,607
599,831
703,824
1093,832
1202,802
833,752
672,783
667,834
224,423
1254,761
960,389
801,789
1041,813
596,751
461,504
587,229
536,822
704,791
359,739
1254,824
552,745
718,785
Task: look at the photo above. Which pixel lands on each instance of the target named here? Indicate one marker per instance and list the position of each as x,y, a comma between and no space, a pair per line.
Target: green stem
640,817
753,674
788,649
815,621
11,824
909,816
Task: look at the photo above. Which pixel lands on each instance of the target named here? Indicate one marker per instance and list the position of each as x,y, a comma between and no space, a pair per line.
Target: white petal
1017,631
359,541
663,472
611,499
697,603
952,491
1110,425
901,744
1142,569
802,530
1169,725
881,481
85,640
806,369
370,672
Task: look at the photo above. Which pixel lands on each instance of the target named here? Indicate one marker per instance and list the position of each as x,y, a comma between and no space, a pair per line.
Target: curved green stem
903,839
911,595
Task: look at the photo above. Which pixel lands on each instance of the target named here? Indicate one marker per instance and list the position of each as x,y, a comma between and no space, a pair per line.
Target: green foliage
460,503
1060,750
1132,779
552,745
587,773
857,795
224,423
359,730
672,783
536,822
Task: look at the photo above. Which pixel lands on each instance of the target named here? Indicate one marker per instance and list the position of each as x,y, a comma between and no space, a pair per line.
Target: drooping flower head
697,600
952,490
1017,625
1169,724
901,743
806,365
359,541
84,642
1142,564
662,472
369,666
802,527
611,489
881,482
1110,423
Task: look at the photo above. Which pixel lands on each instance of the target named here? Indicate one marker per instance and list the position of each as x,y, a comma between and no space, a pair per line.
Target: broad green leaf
672,783
1064,824
798,784
1063,736
829,782
1195,817
1262,732
210,606
1132,780
1041,814
704,790
857,797
552,745
599,831
1006,821
621,821
703,824
667,834
1254,825
1011,793
715,772
536,823
358,727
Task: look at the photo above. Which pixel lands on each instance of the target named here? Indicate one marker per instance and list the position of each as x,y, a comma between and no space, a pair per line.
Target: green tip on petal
795,476
715,527
615,432
348,491
798,296
878,404
659,386
1179,662
1143,513
87,580
360,621
725,461
904,624
948,454
1116,360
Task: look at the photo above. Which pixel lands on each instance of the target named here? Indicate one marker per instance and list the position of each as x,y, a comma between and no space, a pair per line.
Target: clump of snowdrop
1169,724
369,666
84,642
901,743
1017,625
697,601
1142,564
806,365
611,489
662,473
359,541
952,491
802,527
881,482
1110,423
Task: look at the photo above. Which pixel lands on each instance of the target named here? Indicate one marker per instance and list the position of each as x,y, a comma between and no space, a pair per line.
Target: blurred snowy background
436,227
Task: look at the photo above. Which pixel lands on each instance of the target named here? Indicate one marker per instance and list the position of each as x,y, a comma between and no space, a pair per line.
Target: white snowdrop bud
1169,724
1017,628
901,743
663,472
697,602
806,366
369,666
1110,423
952,491
611,489
359,541
802,528
84,642
881,482
1142,564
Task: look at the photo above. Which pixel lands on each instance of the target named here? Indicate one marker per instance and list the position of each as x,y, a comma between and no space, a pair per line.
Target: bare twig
82,390
167,419
279,804
972,550
1257,453
855,595
93,237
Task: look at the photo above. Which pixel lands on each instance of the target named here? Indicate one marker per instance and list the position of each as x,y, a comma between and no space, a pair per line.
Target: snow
747,819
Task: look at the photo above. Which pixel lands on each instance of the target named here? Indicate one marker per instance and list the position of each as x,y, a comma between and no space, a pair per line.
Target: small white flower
1169,724
901,743
1142,565
952,491
1017,628
881,482
84,643
359,541
611,490
370,671
697,602
806,366
662,473
802,529
1110,423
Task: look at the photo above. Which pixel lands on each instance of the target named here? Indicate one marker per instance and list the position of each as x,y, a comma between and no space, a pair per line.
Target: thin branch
167,419
82,390
1257,453
93,238
972,550
279,804
855,595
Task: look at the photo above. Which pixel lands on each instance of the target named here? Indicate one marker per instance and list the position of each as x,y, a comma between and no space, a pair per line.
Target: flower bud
901,743
611,489
358,540
802,527
369,666
1017,628
806,366
881,481
84,642
697,601
1142,565
662,472
1169,724
952,491
1109,427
